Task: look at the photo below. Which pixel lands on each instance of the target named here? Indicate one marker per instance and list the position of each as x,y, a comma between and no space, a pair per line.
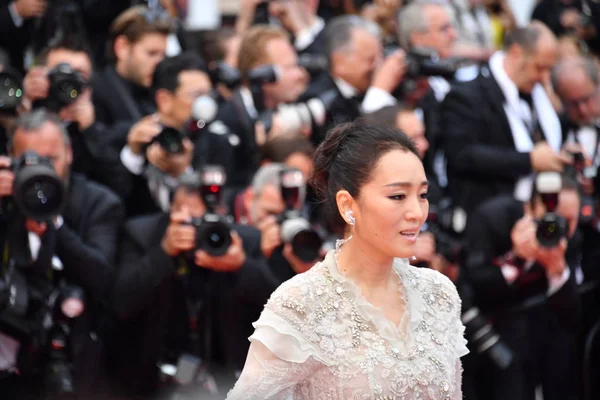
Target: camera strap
596,152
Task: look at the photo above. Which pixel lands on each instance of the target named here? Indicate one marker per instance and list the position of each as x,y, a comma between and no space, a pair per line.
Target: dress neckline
401,333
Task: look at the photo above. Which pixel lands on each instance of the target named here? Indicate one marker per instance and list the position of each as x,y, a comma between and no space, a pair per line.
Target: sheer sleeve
267,375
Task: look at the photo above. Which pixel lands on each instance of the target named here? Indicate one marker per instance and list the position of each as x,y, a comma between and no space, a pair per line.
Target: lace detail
325,341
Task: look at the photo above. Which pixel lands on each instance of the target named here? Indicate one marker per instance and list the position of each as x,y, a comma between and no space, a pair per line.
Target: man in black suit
501,126
137,43
163,283
261,46
16,27
81,243
86,133
529,291
354,49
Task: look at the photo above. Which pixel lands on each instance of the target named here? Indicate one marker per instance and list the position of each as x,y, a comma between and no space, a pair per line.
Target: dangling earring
350,220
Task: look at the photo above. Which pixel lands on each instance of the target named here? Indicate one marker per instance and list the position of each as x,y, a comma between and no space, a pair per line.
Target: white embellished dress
319,339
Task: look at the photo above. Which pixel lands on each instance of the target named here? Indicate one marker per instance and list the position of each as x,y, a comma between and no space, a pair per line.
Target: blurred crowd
154,182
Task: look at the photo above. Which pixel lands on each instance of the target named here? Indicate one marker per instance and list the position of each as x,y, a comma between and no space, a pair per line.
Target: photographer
137,43
266,209
81,241
60,83
577,82
168,277
267,54
354,51
521,264
501,127
160,147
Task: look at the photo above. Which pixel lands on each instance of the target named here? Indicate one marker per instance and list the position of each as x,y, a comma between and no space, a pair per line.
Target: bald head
531,52
576,81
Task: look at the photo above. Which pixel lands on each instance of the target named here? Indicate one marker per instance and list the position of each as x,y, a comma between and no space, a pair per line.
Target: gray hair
266,175
566,67
34,121
338,36
411,19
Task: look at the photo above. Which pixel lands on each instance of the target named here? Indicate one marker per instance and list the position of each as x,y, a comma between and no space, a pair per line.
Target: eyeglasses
573,103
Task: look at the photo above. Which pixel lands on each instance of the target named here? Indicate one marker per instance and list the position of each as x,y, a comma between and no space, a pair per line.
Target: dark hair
72,43
212,44
280,148
346,158
388,115
166,74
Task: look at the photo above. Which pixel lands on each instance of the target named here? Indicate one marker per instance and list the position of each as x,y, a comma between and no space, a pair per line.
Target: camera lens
171,140
551,228
39,192
213,236
306,243
11,92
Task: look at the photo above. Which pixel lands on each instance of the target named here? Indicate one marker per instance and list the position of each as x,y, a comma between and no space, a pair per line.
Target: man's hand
179,237
30,8
391,72
142,133
297,264
544,159
172,164
524,241
81,111
291,15
233,260
36,84
7,177
553,259
270,235
425,247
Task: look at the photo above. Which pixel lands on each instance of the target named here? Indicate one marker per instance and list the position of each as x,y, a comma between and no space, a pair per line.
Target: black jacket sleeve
466,152
88,257
140,274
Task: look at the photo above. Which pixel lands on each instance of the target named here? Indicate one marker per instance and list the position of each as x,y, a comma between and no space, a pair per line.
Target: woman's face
392,205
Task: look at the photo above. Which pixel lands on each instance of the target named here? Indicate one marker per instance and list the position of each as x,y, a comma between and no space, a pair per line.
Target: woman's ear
345,203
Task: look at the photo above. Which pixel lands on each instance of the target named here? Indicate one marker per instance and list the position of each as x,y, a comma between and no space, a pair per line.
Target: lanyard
596,145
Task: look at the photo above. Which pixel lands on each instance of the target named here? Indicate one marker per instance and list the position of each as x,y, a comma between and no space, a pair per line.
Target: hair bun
325,156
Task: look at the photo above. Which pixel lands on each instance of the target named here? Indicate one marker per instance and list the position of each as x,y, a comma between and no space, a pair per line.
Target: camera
439,223
423,62
306,242
313,113
551,228
170,139
39,315
38,191
213,231
479,330
66,85
314,64
225,74
11,91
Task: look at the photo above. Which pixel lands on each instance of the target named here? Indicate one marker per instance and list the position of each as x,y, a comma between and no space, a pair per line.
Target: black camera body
170,139
66,85
38,191
422,62
551,227
38,313
225,74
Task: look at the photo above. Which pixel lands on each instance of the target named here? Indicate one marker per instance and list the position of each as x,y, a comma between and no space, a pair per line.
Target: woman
362,324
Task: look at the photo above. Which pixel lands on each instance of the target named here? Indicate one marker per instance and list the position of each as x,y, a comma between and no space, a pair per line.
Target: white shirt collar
347,90
508,87
248,102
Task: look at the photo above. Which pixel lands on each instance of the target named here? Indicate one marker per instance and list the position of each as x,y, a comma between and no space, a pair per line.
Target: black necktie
533,124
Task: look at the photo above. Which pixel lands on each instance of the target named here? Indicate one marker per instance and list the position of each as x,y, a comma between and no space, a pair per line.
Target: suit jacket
246,156
147,294
342,109
482,160
14,39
